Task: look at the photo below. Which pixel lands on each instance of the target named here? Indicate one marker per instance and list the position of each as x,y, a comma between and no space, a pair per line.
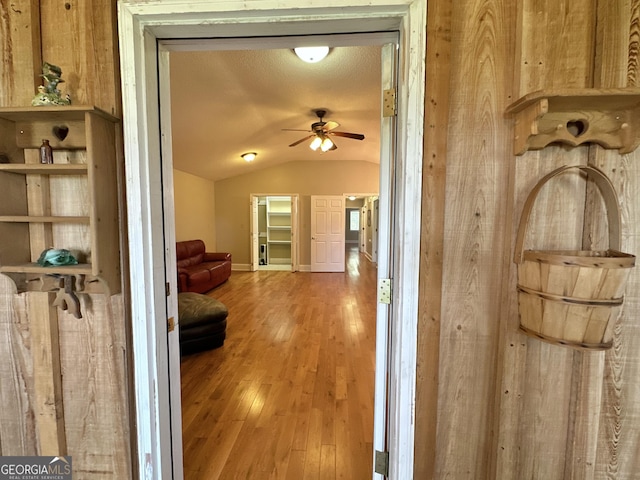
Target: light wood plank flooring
290,394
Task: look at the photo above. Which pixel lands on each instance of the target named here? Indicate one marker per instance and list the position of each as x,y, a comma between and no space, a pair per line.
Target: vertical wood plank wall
618,435
511,407
507,407
432,240
80,37
477,179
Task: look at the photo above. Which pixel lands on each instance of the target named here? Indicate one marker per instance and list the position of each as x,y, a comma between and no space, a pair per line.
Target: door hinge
382,463
389,103
171,324
384,290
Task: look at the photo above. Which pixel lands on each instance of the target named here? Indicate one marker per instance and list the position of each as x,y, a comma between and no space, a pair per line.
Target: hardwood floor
290,394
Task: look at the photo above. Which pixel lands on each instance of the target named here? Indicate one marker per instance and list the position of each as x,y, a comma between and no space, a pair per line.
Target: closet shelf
608,117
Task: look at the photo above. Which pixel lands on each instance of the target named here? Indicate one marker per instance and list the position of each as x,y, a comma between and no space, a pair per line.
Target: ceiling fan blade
355,136
330,125
301,140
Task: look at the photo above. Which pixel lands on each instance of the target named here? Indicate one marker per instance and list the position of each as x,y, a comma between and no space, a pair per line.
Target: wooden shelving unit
70,204
279,230
608,117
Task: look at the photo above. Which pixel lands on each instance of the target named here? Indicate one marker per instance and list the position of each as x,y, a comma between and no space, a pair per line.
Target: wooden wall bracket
609,117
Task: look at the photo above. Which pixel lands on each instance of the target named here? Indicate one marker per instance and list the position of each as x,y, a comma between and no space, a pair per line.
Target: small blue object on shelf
56,257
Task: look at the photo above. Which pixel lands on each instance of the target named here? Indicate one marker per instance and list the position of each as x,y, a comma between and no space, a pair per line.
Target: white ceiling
225,103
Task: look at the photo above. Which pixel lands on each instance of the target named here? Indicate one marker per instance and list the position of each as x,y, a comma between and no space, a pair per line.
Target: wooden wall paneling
618,432
72,199
80,37
617,43
477,175
433,206
44,326
20,62
618,435
93,351
555,48
609,68
584,423
23,396
557,45
47,375
18,431
14,237
434,170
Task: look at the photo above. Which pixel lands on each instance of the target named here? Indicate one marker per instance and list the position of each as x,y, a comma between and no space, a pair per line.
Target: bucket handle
608,193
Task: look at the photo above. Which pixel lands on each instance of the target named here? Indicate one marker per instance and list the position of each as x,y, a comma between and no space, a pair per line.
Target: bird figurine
48,94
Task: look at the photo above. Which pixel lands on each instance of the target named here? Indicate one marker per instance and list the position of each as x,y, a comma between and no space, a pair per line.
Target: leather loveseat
198,270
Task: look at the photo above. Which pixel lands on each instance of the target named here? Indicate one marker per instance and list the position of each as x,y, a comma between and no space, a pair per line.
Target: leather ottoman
202,321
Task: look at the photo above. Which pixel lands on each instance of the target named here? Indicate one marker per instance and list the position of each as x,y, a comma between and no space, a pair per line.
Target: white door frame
141,24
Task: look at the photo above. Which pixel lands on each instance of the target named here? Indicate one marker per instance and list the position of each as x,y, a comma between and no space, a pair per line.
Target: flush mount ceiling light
249,156
311,54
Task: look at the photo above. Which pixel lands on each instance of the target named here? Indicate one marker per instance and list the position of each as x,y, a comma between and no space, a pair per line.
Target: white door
255,234
327,233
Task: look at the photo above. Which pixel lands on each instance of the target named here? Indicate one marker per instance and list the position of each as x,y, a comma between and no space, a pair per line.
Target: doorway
274,232
230,195
141,25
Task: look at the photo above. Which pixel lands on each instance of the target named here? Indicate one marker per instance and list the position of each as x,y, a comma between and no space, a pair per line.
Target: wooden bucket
572,297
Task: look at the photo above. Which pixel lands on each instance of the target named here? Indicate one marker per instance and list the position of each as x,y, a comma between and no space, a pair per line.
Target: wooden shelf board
80,269
42,169
52,114
279,261
32,219
578,98
279,242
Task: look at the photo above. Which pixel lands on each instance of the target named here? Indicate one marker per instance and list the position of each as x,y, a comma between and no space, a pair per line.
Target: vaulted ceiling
225,103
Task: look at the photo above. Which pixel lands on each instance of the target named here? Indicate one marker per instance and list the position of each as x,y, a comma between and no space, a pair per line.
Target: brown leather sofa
198,270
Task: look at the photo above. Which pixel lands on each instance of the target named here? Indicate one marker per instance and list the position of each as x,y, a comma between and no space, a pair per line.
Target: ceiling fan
321,131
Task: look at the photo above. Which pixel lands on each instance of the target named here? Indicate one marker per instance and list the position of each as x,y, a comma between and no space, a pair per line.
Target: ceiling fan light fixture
249,156
311,54
315,143
326,144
